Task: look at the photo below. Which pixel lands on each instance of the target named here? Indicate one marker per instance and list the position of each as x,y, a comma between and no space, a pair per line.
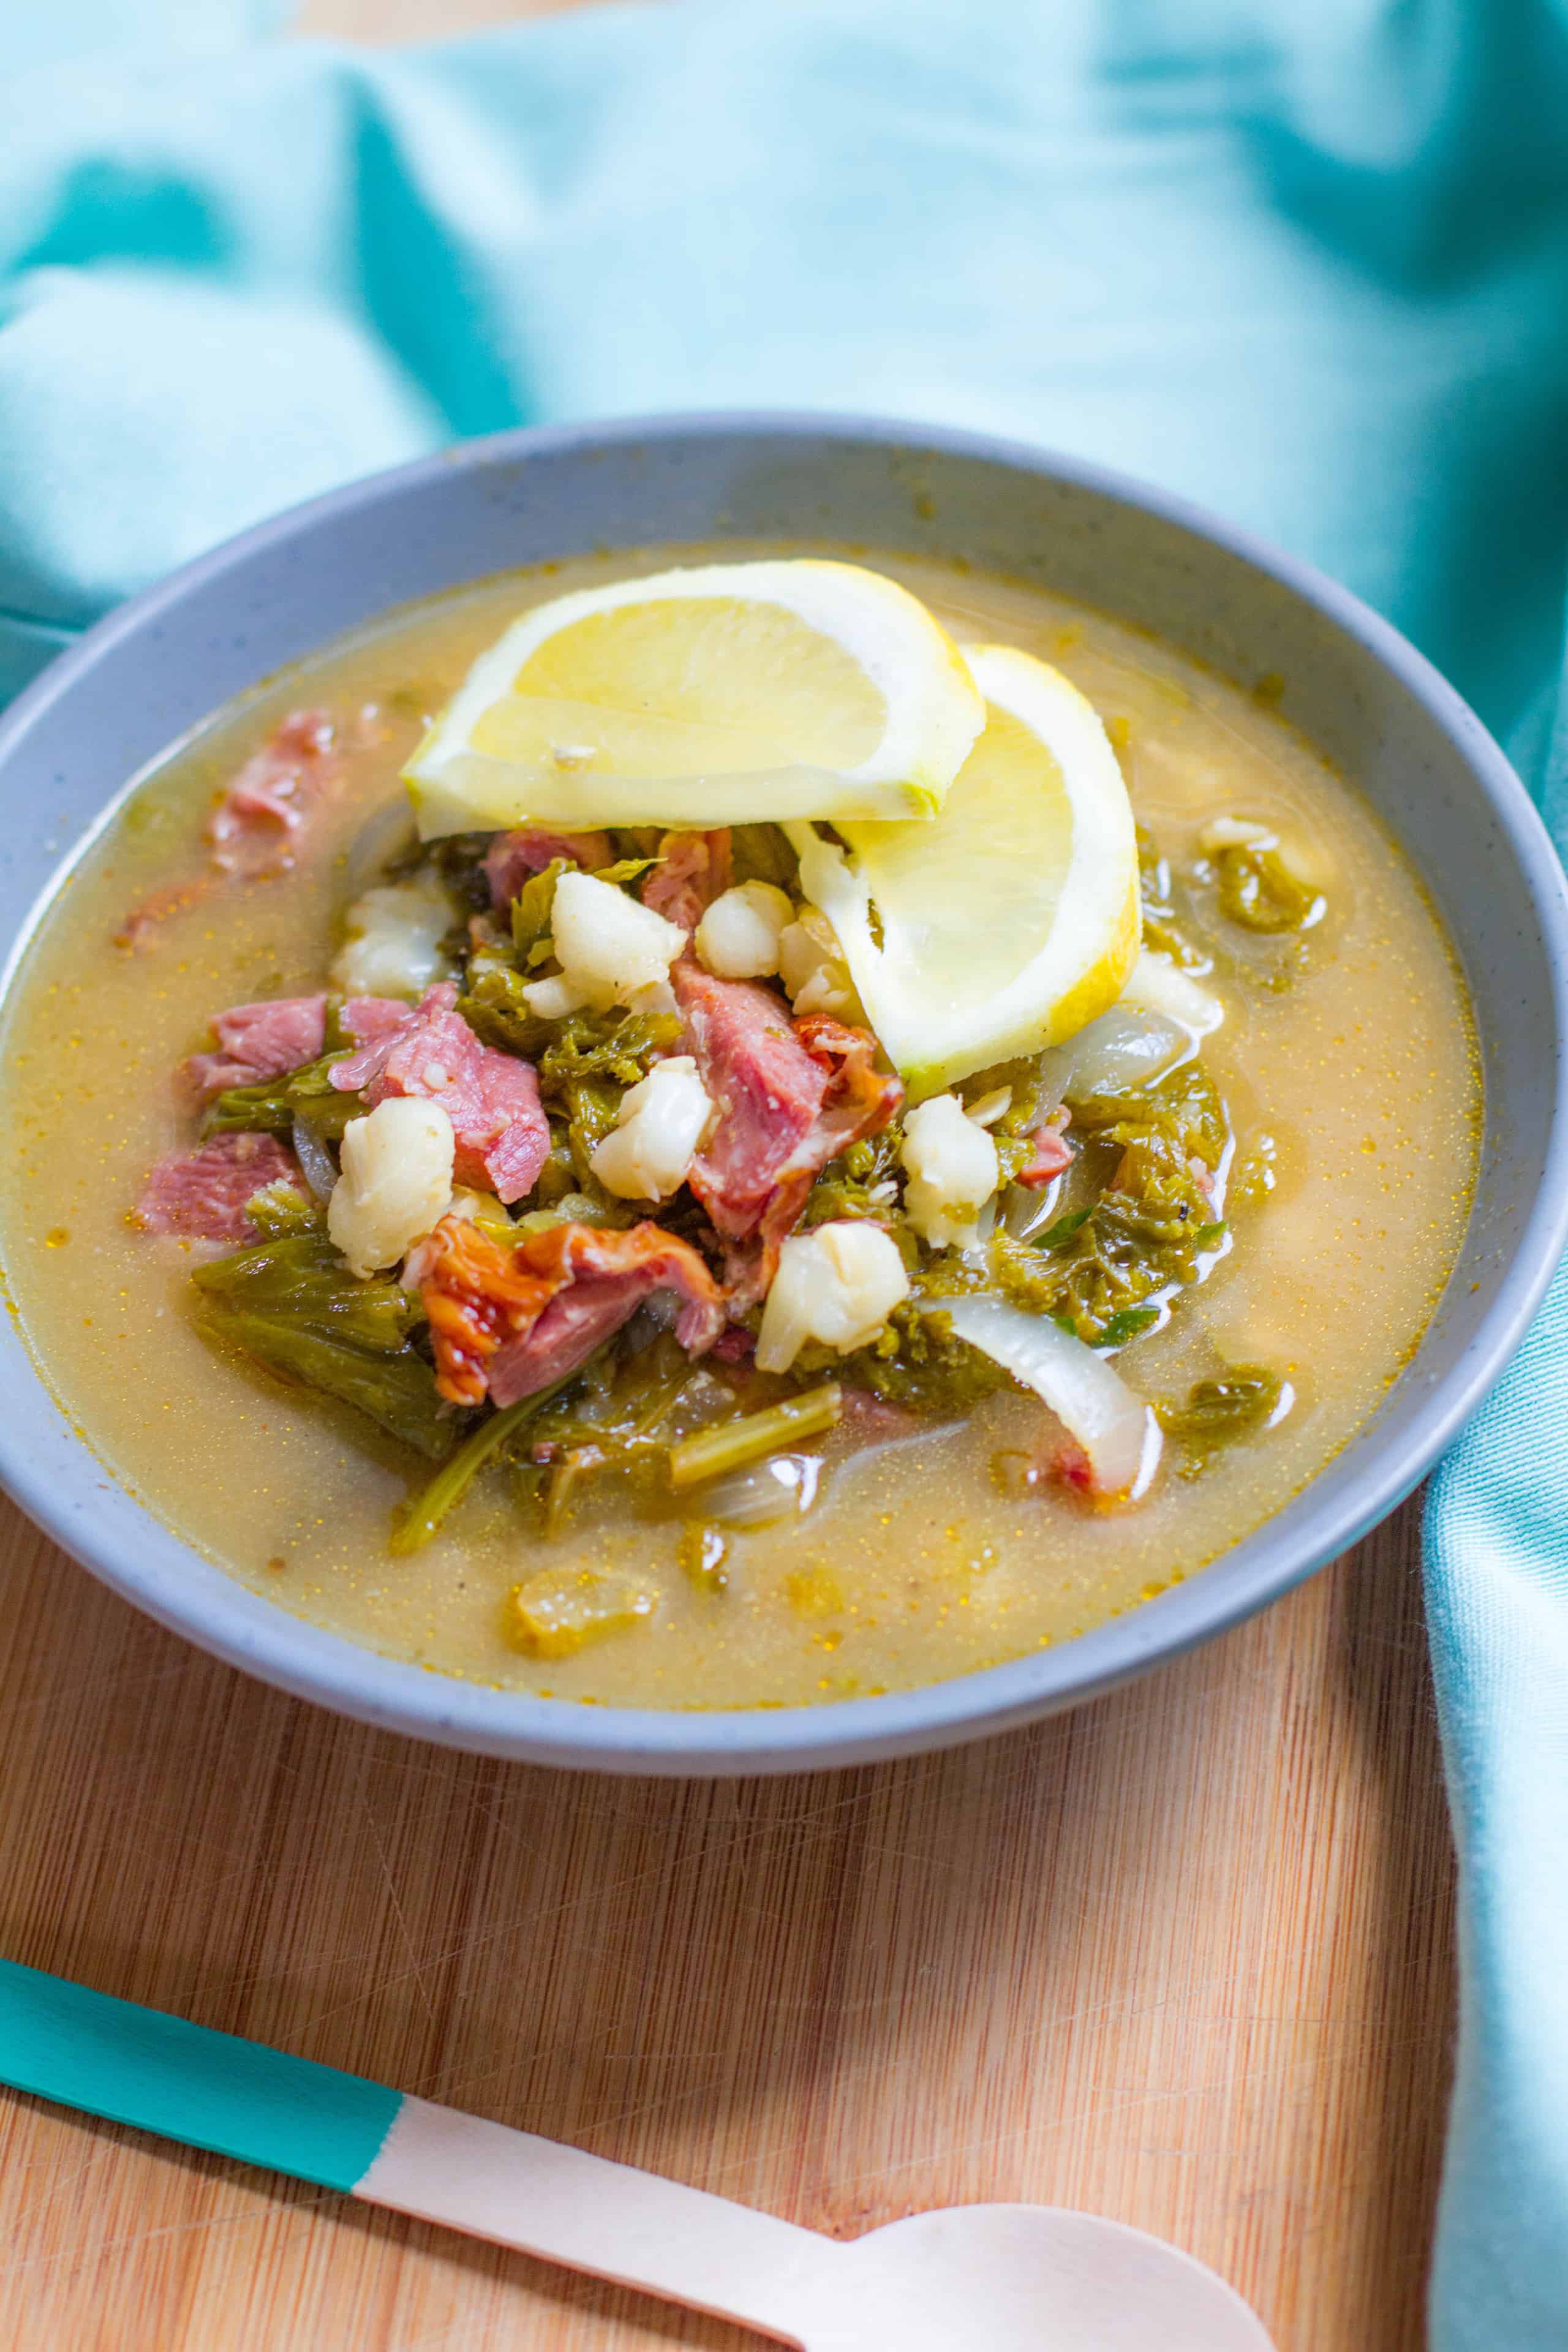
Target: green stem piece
711,1451
424,1514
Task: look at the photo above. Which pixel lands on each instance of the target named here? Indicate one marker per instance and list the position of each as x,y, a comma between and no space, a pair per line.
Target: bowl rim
304,1659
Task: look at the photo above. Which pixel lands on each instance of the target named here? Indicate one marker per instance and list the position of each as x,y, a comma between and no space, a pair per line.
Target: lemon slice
1013,918
704,697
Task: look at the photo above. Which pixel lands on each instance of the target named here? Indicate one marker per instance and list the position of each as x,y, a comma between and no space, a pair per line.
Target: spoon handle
135,2065
593,2215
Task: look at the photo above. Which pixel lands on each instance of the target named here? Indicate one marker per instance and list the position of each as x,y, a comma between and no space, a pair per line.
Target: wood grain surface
1184,1958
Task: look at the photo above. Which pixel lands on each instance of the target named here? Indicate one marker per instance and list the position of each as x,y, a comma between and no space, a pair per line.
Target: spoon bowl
1026,2278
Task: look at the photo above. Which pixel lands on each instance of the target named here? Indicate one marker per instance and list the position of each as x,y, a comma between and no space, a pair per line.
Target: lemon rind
884,628
474,792
1094,942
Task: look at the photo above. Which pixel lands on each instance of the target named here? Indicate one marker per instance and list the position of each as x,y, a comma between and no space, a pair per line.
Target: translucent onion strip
1116,1429
1125,1050
783,1488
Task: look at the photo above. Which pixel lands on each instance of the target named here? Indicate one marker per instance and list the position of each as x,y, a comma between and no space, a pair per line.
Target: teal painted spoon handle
238,2098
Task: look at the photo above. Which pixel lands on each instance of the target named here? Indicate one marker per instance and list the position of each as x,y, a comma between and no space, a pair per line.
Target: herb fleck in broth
1346,1059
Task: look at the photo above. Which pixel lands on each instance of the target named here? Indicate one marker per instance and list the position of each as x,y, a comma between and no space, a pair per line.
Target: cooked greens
1164,924
619,1045
458,858
1257,890
922,1365
280,1211
1104,1267
863,1184
1137,1220
292,1304
762,853
425,1511
1244,1398
271,1107
532,907
494,1006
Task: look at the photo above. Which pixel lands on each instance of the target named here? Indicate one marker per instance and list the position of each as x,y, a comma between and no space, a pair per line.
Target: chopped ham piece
476,1296
1051,1155
139,928
867,1419
516,1321
370,1019
513,856
491,1098
204,1194
767,1087
256,828
602,1279
860,1100
694,871
257,1042
791,1096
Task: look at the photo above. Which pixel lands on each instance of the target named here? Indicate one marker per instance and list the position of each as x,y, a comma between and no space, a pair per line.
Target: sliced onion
387,832
1127,1048
1026,1211
1116,1430
320,1169
781,1488
1158,985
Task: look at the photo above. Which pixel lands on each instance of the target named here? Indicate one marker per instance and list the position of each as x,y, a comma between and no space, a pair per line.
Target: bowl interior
158,667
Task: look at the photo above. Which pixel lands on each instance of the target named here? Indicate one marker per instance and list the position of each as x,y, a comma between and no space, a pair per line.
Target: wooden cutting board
1184,1958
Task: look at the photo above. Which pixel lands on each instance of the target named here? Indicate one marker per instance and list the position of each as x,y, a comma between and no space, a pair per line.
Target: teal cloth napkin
1305,260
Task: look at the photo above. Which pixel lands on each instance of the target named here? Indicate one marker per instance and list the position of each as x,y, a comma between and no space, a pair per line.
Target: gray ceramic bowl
154,668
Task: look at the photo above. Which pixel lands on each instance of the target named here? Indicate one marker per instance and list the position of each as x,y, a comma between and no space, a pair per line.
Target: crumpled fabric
1305,261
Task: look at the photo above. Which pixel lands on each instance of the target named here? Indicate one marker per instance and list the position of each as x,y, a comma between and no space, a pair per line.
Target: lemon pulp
1012,918
701,697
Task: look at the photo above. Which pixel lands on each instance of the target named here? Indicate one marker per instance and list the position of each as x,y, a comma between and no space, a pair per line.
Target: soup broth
1345,1058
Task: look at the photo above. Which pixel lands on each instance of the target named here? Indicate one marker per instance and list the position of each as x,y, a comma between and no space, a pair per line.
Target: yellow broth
916,1565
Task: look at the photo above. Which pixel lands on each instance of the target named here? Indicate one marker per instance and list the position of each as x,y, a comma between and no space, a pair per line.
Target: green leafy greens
293,1304
1244,1398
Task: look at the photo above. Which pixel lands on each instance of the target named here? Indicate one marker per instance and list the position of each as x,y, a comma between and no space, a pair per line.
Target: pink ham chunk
601,1279
257,826
203,1195
693,870
1050,1154
792,1096
491,1098
370,1019
767,1087
513,856
255,1041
